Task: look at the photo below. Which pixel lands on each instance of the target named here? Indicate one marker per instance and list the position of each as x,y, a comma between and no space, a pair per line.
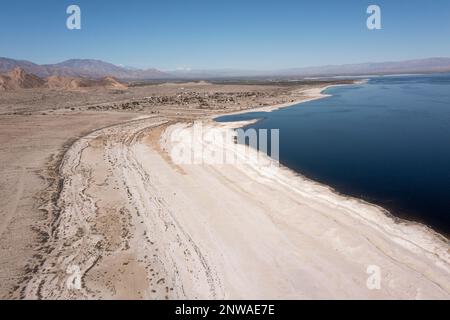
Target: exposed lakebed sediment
134,224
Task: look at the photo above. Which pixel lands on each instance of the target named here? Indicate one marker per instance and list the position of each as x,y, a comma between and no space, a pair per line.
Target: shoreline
317,93
220,232
413,237
397,220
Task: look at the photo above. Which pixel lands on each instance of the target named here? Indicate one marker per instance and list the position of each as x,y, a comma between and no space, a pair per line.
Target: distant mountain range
18,78
398,67
97,69
430,65
85,68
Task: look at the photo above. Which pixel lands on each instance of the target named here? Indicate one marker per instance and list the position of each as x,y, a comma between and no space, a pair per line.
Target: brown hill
19,79
111,83
69,83
59,82
82,68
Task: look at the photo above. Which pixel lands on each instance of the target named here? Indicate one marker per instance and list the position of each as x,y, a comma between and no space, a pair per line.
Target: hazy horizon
224,69
208,35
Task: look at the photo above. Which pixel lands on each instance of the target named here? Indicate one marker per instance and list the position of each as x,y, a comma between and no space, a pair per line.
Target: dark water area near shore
386,141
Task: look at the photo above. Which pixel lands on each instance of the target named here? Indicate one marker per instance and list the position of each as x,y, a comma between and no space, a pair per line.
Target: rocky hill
81,68
18,78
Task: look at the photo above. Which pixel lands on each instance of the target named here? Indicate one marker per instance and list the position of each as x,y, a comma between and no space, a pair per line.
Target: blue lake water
387,142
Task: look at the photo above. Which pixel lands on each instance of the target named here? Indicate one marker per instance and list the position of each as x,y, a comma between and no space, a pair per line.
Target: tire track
170,266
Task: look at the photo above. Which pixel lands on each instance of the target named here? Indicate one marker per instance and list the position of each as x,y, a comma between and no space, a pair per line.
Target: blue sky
211,34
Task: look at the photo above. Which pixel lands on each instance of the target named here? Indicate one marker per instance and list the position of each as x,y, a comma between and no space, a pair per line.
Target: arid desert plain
89,189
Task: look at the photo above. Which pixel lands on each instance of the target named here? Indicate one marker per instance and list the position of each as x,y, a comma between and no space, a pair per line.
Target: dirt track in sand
38,126
117,214
31,147
117,230
135,225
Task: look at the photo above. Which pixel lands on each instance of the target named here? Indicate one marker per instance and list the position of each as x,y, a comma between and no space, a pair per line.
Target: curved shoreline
241,232
415,239
347,198
318,94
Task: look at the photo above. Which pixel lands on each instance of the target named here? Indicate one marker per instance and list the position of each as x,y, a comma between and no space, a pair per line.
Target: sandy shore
306,95
38,126
31,147
134,223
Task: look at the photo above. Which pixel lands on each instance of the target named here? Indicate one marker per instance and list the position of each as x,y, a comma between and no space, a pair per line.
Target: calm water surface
387,141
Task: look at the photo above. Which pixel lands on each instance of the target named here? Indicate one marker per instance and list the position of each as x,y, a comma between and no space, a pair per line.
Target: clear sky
244,34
